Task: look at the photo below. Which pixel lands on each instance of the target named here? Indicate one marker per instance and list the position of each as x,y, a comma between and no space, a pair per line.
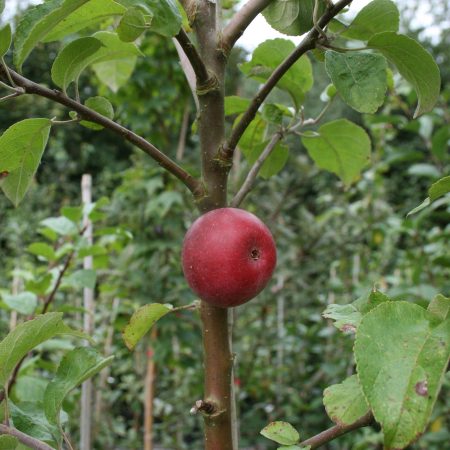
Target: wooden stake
88,322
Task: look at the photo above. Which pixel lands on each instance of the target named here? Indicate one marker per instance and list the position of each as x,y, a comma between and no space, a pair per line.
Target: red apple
228,257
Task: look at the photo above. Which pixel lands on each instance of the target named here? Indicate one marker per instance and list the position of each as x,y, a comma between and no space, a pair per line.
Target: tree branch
24,438
338,430
240,21
308,43
30,87
194,58
253,173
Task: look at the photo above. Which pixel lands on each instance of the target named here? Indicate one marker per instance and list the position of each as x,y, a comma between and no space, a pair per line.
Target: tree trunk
218,360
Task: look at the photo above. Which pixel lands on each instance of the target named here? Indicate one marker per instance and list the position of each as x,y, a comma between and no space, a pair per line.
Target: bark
217,354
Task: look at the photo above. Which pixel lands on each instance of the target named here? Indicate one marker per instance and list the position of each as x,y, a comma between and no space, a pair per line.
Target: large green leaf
2,5
141,322
116,73
341,147
42,249
39,21
21,149
87,15
292,17
345,402
73,59
360,78
77,366
76,56
28,335
281,432
414,63
402,352
376,17
267,56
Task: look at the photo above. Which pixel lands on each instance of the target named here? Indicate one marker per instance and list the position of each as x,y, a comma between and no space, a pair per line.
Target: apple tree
401,348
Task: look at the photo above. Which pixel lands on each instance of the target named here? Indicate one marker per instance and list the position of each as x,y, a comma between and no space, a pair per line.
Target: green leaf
30,419
376,17
73,213
348,317
439,189
166,16
24,303
414,63
5,39
291,17
29,388
83,278
28,335
267,56
21,149
440,307
41,285
42,249
439,142
100,105
116,73
2,5
39,21
275,161
236,105
281,432
77,366
132,25
141,322
73,59
89,14
8,442
341,147
345,402
76,56
61,225
360,78
402,352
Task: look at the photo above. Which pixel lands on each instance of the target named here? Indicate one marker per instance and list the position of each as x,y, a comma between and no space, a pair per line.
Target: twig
24,438
338,430
315,20
308,43
253,173
240,21
30,87
8,75
52,294
7,97
343,49
195,59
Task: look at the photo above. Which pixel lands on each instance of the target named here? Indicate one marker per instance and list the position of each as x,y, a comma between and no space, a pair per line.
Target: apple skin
228,257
